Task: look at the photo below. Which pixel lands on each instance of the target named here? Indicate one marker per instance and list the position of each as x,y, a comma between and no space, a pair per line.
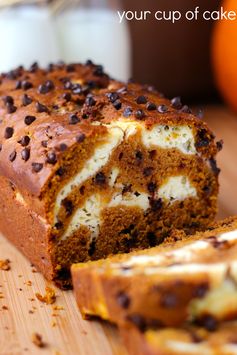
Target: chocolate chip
139,155
203,139
70,68
63,147
44,144
186,109
214,167
162,108
76,89
46,87
151,187
99,71
18,85
37,167
113,96
41,108
138,321
152,239
176,103
34,67
67,84
148,171
219,145
141,100
60,172
29,119
12,156
68,205
67,96
8,100
11,108
80,137
123,300
24,141
201,290
117,104
73,119
156,204
26,100
139,114
89,62
100,178
127,112
169,300
208,322
8,132
151,106
51,158
26,85
58,225
25,154
90,101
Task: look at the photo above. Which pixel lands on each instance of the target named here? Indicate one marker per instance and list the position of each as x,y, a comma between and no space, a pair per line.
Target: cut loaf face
91,167
193,280
190,340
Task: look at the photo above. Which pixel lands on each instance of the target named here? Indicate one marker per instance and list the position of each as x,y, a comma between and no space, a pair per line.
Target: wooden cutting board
63,330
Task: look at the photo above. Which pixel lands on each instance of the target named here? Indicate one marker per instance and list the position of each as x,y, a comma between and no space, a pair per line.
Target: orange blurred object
224,55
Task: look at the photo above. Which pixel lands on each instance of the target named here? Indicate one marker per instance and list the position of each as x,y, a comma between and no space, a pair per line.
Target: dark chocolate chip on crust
117,104
24,141
63,147
73,119
138,321
26,100
151,187
201,290
8,100
123,300
176,103
26,85
127,112
151,106
37,167
41,108
9,131
169,300
51,158
148,171
80,137
208,322
25,154
140,114
11,108
162,108
29,119
155,204
12,156
141,100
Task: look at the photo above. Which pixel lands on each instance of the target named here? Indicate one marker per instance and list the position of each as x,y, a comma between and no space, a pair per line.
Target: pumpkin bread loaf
90,166
192,280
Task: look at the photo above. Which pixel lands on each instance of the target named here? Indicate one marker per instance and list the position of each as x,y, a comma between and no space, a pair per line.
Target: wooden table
63,330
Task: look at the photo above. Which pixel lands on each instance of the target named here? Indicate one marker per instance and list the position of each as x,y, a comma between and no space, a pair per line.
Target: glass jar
27,34
90,29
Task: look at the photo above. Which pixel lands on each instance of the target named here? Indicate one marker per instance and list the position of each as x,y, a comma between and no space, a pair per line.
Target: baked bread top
46,112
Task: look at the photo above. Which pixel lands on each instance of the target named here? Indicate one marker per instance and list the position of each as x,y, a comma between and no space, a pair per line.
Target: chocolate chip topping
169,300
67,96
51,158
156,204
90,101
26,100
176,103
8,100
26,85
18,85
63,147
24,141
46,87
73,119
127,112
113,96
123,300
151,187
10,108
140,114
41,108
9,131
151,106
12,156
141,100
37,167
117,104
25,154
80,137
162,108
29,119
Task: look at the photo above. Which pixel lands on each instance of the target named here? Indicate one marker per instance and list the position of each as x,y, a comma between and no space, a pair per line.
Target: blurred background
196,60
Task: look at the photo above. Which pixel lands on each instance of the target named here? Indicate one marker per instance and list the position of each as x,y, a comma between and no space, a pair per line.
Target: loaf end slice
168,285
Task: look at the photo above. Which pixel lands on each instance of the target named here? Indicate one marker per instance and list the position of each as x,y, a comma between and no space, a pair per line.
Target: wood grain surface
63,330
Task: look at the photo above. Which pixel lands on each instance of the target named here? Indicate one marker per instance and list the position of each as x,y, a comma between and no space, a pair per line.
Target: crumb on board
5,308
38,340
5,265
28,283
58,308
49,297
